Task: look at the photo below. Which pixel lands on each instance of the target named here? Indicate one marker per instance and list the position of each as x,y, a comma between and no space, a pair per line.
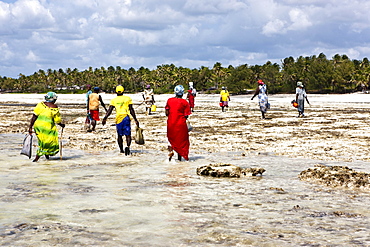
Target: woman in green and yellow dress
45,117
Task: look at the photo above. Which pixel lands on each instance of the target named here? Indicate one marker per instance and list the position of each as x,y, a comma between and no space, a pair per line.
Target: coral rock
336,176
228,170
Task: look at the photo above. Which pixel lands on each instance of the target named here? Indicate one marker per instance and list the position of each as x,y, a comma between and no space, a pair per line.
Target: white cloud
299,20
84,33
274,27
5,19
31,14
214,6
353,53
31,57
4,12
6,54
141,18
308,2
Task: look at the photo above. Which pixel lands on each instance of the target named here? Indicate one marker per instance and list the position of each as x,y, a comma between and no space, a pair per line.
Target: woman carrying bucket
300,96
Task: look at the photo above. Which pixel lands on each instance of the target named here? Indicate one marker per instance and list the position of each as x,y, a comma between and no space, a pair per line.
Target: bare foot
170,155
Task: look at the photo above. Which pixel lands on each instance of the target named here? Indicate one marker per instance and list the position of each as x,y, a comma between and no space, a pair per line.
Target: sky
52,34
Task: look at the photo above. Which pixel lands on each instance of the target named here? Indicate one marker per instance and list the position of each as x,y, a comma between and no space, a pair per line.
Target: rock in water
336,176
253,171
228,170
220,170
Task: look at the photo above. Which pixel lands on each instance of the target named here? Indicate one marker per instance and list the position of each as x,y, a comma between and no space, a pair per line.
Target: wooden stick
61,144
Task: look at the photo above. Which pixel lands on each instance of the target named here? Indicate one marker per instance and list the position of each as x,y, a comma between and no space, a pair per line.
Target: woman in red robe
177,111
191,98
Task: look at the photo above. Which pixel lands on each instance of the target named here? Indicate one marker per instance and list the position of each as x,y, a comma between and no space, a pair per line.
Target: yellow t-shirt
121,104
224,95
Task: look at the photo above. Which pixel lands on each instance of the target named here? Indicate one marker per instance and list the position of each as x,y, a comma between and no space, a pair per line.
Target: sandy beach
336,127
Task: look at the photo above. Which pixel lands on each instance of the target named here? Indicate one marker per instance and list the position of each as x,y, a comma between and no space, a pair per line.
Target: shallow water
108,199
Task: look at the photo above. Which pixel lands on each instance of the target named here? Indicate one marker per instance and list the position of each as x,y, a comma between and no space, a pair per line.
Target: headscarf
179,90
51,97
260,82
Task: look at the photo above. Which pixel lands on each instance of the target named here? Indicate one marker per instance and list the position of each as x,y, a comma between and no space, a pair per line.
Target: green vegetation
319,74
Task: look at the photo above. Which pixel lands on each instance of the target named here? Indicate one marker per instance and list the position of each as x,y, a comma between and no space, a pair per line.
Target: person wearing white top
300,95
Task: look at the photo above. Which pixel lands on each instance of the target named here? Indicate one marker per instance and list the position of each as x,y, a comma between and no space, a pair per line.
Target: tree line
318,73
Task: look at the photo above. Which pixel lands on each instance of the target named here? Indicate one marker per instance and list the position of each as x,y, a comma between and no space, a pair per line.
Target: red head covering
260,82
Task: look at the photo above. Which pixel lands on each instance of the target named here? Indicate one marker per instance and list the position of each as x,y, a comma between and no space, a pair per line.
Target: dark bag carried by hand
27,146
190,128
139,137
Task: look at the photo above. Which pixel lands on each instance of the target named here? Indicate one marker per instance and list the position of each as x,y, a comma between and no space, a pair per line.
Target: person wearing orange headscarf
263,102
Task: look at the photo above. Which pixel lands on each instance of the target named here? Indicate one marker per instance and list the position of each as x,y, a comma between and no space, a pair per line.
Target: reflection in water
107,199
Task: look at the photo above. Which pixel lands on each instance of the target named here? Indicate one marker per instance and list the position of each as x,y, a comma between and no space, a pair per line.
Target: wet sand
98,197
336,127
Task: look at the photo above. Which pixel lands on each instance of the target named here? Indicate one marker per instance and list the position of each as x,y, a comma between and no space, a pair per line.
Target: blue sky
53,34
